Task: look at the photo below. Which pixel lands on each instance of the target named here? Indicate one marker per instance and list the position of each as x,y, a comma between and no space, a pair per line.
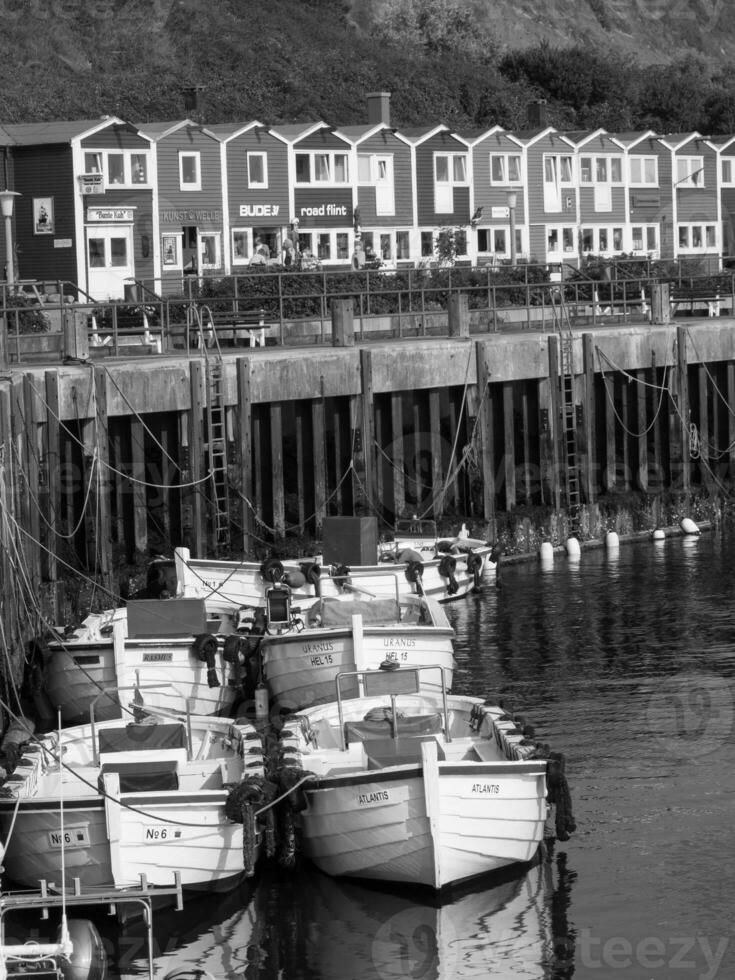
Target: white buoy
658,535
546,551
612,540
688,526
573,549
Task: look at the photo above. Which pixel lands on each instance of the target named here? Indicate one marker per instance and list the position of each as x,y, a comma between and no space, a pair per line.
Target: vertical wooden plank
705,436
19,468
487,443
682,480
318,456
104,516
31,453
340,439
526,439
509,450
138,484
120,486
167,477
258,468
300,431
451,497
52,470
588,456
244,450
417,440
642,425
199,492
380,442
437,468
731,419
610,467
555,421
624,435
657,475
397,456
8,606
279,501
367,423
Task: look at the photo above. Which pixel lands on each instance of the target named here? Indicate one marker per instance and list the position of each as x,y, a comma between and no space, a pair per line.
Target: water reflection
307,926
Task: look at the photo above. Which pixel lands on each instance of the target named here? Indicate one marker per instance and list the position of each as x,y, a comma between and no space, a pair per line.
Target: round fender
88,959
408,554
311,572
414,571
447,566
294,579
474,565
234,653
205,649
272,570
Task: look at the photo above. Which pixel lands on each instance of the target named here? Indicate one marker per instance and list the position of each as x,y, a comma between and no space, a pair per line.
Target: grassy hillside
469,63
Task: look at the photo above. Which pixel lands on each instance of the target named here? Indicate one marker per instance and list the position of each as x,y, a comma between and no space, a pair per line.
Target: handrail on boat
408,684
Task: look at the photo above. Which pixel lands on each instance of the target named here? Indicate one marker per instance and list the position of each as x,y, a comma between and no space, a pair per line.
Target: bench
691,299
231,325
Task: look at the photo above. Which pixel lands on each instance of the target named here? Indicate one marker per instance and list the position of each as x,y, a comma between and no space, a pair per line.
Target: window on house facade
403,245
559,239
601,240
240,246
121,168
427,243
342,250
322,168
558,176
643,171
689,172
601,170
209,247
727,171
644,238
257,170
450,171
505,168
697,237
189,172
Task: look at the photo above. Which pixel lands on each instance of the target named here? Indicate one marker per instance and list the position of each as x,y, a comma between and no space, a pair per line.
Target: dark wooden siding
45,171
386,142
204,206
322,139
699,203
116,137
239,193
427,215
487,196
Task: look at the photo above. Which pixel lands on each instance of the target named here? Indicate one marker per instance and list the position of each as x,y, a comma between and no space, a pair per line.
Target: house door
109,260
385,198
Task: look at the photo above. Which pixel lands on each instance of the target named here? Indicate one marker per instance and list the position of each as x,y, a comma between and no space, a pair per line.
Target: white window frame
643,248
689,172
197,157
560,229
644,159
491,231
241,259
506,180
452,181
331,157
556,158
217,264
594,160
727,162
102,166
689,227
175,239
597,248
258,184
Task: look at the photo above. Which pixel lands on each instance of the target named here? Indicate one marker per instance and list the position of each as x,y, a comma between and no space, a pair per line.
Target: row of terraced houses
105,202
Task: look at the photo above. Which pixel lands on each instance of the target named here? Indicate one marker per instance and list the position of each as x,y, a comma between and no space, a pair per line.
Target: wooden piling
399,482
244,451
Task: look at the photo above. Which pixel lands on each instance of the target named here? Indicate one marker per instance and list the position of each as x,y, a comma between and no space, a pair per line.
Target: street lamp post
512,201
7,203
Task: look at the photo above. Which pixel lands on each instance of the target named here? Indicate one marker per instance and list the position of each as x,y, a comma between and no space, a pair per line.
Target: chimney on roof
193,102
537,114
378,105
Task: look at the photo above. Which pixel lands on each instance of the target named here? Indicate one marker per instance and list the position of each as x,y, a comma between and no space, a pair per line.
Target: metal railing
398,303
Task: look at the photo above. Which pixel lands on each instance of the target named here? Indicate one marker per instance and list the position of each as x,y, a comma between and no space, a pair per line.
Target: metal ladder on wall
569,411
215,424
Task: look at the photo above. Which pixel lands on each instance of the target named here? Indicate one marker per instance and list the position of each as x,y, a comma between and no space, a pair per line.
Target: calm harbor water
624,661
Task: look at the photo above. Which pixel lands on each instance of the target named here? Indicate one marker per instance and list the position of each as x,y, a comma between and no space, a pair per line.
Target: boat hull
300,669
386,826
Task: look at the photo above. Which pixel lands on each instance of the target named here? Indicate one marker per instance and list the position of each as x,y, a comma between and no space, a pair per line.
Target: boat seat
367,730
383,752
142,777
483,751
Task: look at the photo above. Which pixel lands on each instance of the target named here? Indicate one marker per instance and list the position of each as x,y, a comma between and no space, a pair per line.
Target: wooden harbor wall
104,459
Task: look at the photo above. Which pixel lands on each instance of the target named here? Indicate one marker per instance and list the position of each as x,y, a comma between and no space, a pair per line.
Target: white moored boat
131,800
419,788
301,657
162,647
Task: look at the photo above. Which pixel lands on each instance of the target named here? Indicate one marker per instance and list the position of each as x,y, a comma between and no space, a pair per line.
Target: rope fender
249,795
205,649
474,564
272,570
312,573
559,796
447,565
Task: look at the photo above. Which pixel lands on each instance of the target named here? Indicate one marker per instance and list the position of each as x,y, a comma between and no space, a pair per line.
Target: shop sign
499,213
110,214
259,210
323,211
188,215
62,243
